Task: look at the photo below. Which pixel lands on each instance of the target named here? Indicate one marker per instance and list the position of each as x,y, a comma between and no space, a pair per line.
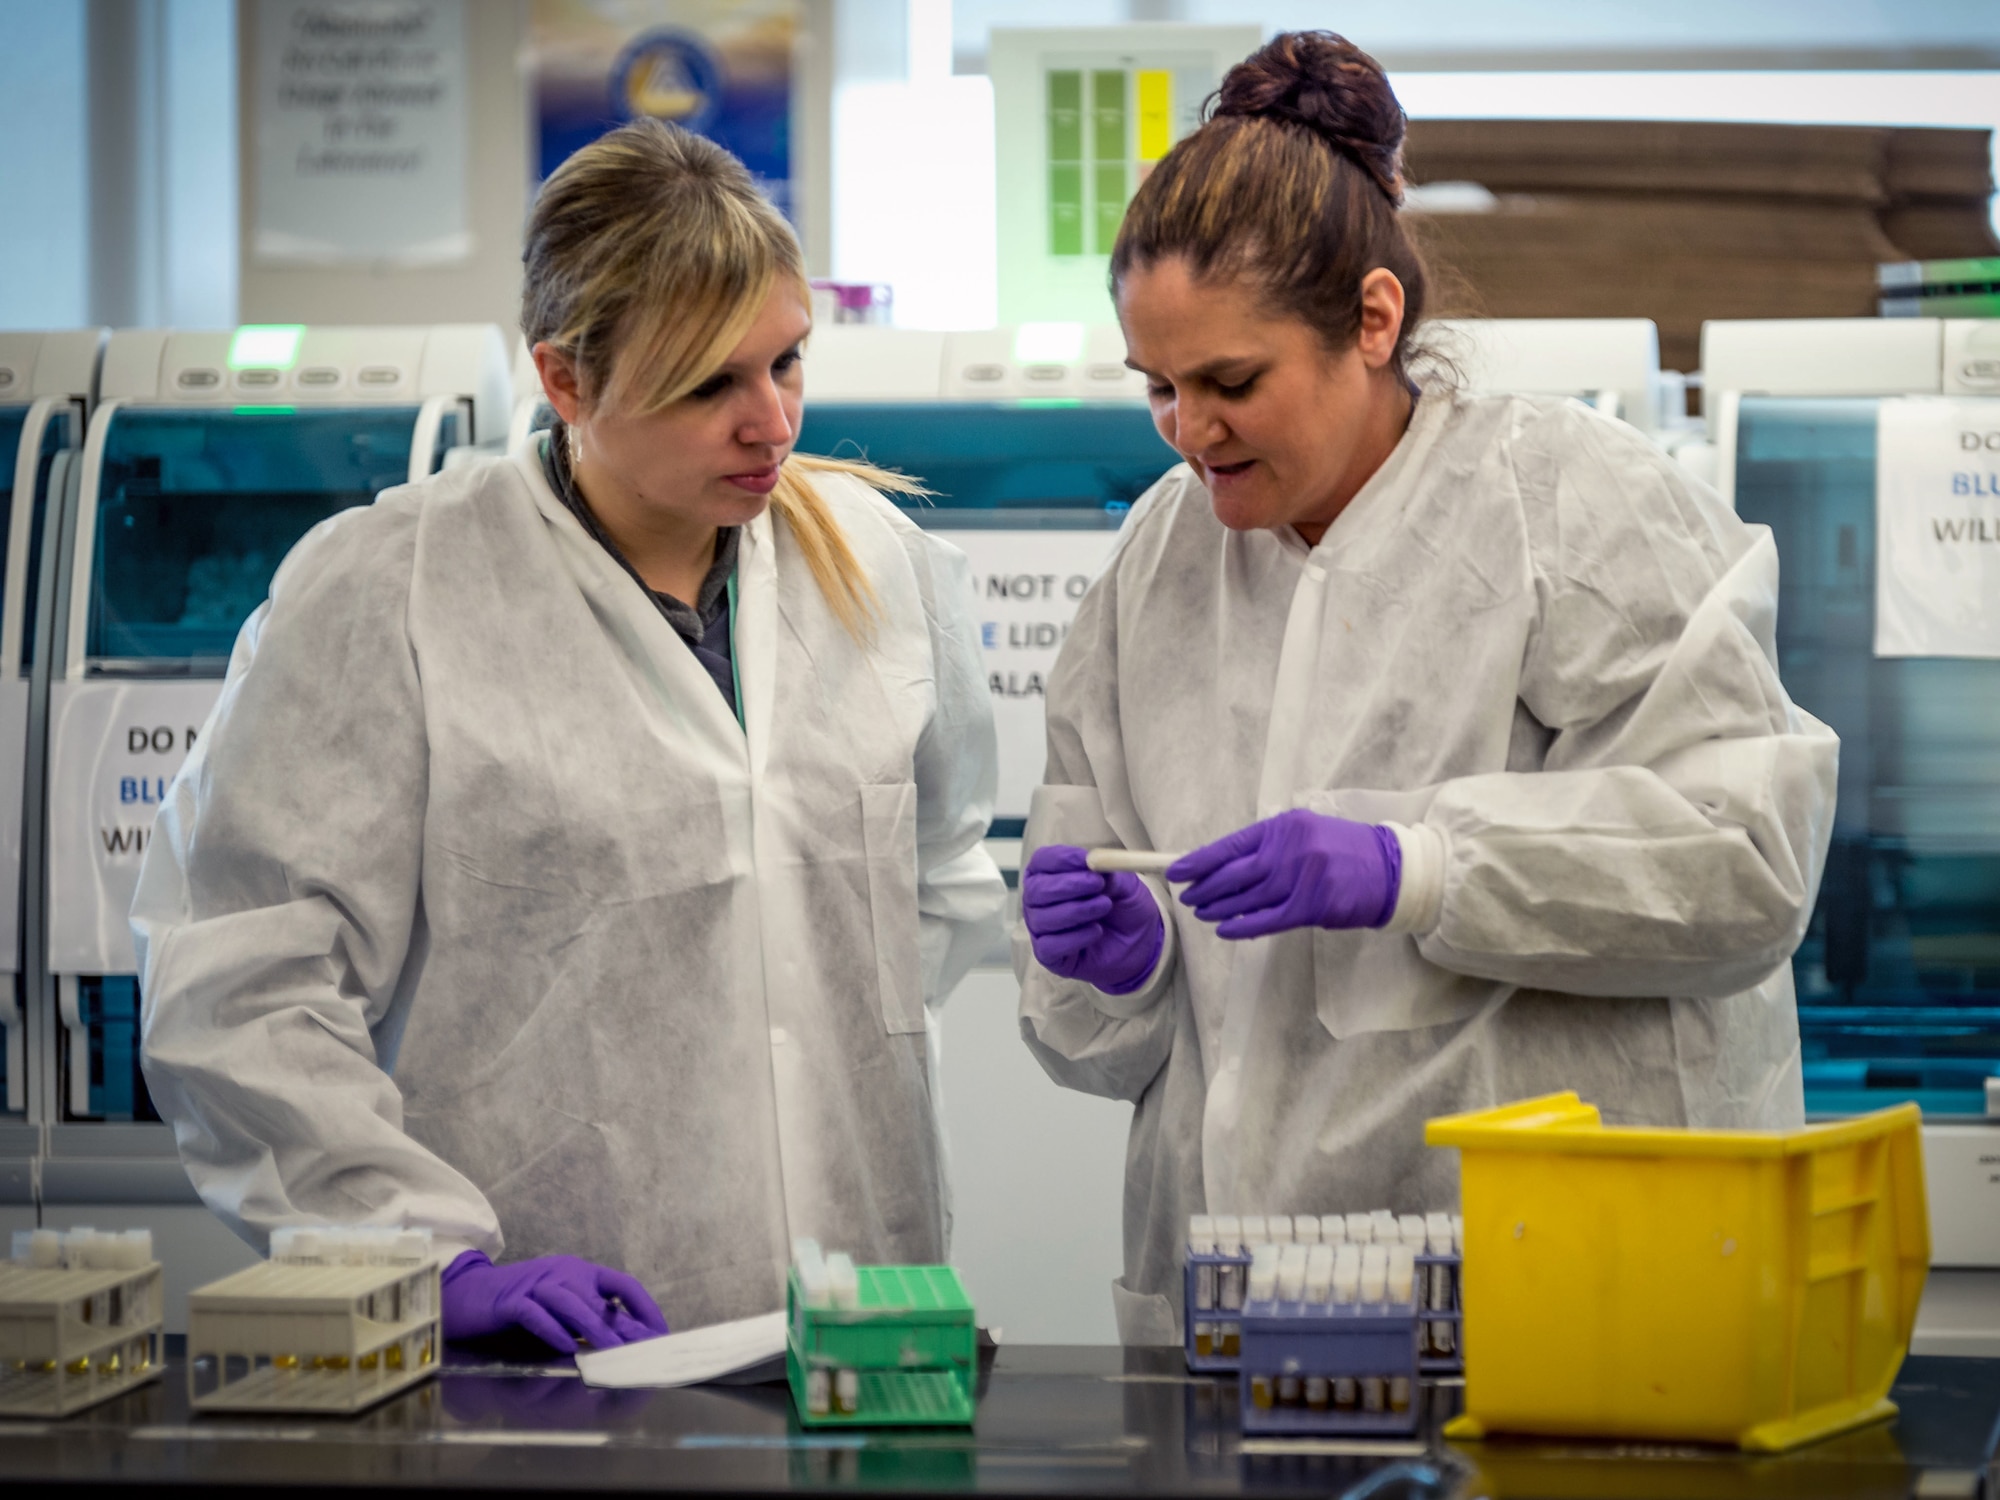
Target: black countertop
1081,1421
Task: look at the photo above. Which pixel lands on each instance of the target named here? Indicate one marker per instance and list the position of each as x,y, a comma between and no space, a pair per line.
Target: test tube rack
1215,1284
905,1355
331,1339
1317,1370
72,1337
1207,1292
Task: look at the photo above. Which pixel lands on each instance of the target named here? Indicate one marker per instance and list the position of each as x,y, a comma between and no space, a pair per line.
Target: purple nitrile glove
1103,929
1299,869
560,1299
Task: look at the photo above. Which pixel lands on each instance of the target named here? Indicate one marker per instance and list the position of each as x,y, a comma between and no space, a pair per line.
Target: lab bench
1051,1420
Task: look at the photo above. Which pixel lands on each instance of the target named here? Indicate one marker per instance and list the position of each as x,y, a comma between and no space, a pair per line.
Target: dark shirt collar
710,602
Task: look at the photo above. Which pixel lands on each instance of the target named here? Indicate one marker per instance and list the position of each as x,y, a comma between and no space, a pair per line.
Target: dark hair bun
1328,85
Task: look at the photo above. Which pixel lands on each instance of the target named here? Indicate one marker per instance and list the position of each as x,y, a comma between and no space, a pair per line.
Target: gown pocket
1365,981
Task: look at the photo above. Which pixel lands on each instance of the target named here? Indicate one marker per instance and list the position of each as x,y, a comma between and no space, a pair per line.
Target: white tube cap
1292,1273
1263,1273
1319,1274
1228,1234
1437,1233
1402,1274
1201,1234
1374,1273
1347,1273
842,1280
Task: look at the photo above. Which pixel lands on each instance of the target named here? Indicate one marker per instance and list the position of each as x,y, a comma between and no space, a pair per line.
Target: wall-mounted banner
360,120
1081,116
1937,524
1026,586
721,68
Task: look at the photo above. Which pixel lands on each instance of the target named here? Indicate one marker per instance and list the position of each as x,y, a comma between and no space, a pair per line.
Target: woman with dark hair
1466,706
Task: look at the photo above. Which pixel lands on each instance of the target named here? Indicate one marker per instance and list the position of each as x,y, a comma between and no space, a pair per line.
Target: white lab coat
475,907
1546,654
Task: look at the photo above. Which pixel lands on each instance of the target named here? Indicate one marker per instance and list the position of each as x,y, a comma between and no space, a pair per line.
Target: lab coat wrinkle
1547,655
490,917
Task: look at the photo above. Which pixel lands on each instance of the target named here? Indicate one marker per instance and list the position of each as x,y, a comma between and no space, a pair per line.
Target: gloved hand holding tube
1299,869
1104,929
560,1299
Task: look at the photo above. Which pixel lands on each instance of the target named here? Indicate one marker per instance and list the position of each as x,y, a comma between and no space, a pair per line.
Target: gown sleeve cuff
1420,899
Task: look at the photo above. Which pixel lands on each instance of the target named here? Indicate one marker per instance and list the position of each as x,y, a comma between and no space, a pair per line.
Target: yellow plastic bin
1756,1288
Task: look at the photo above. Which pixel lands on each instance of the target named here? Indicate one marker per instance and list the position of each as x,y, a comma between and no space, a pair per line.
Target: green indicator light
265,411
266,346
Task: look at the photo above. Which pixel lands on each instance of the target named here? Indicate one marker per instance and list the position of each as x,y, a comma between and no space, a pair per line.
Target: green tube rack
911,1344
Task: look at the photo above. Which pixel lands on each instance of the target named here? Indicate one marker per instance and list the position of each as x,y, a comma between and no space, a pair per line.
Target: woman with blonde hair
583,839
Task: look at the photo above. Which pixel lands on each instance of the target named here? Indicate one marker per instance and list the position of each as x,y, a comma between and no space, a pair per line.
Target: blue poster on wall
721,68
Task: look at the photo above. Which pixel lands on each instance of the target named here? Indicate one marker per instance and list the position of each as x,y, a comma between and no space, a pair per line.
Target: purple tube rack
1337,1341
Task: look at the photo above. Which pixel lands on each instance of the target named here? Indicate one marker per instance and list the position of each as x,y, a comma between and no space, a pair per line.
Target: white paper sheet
1937,506
1026,586
687,1358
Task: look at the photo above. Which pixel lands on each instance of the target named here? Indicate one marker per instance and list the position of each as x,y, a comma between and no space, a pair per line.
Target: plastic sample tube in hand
1130,861
1101,929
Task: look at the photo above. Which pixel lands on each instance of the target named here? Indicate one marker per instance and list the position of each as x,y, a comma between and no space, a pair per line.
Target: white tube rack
332,1339
70,1338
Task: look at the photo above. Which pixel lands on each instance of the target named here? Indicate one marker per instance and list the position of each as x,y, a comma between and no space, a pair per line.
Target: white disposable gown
1546,654
476,908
